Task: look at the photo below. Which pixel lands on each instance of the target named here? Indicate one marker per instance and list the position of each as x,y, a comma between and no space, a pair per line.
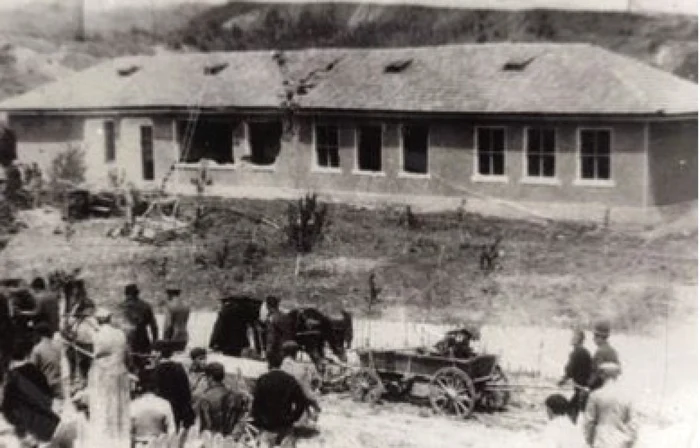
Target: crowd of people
127,383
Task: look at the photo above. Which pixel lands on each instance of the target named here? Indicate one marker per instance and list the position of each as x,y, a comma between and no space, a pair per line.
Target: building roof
510,78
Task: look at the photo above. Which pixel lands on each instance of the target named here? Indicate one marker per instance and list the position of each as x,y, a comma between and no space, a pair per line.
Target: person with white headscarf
109,387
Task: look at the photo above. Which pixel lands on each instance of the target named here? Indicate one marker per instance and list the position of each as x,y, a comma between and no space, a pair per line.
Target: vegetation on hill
669,41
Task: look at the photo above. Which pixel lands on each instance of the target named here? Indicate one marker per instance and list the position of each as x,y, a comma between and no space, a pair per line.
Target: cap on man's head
215,370
290,348
197,352
602,329
131,289
38,283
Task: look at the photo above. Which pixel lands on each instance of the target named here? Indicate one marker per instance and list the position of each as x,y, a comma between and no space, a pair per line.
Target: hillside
37,42
669,41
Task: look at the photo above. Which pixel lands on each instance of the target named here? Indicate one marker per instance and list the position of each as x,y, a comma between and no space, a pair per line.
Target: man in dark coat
604,353
27,398
278,403
141,321
220,408
47,309
275,331
230,333
578,370
172,384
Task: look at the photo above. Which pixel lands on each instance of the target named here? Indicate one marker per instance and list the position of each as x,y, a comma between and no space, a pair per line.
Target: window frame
540,180
402,151
497,178
580,180
356,168
315,166
153,151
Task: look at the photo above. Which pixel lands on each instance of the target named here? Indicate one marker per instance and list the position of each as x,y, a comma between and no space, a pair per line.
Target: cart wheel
365,385
452,392
498,397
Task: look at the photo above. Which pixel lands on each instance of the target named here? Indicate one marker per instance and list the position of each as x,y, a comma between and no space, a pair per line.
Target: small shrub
306,223
68,166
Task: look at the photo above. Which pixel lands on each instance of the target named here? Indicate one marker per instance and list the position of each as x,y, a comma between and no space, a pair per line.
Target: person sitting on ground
151,415
46,355
220,408
177,314
604,353
197,373
173,385
278,403
290,350
27,401
560,431
609,420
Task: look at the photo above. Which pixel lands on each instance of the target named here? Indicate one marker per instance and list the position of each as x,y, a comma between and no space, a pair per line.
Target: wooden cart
454,386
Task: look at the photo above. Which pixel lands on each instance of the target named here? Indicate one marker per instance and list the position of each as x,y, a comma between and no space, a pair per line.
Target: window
491,151
541,152
415,149
327,146
595,154
369,148
265,142
147,153
206,138
110,141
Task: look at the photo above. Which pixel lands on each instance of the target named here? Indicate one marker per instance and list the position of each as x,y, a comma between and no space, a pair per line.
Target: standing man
578,369
220,408
609,420
46,304
47,357
604,353
177,314
142,326
278,403
172,384
274,328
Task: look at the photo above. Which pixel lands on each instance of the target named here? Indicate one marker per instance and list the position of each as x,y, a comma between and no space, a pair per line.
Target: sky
673,6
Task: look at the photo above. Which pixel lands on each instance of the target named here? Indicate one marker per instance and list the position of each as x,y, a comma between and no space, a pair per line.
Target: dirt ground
553,276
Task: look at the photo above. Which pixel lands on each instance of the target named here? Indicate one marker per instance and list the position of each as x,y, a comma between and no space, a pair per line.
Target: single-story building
570,125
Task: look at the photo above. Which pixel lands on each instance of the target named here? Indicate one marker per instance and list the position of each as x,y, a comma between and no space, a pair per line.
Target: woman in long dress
109,387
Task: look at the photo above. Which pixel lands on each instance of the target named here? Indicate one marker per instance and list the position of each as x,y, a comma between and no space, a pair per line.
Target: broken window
595,153
265,141
205,138
415,149
541,152
327,146
109,131
491,151
147,162
369,148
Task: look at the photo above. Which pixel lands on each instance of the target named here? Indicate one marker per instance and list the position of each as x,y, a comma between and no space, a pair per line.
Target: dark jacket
230,333
27,402
173,385
278,401
47,309
579,367
177,315
220,409
140,317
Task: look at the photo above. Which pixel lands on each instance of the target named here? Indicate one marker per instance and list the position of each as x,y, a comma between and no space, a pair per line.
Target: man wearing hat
578,369
177,314
604,353
274,329
609,420
140,320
